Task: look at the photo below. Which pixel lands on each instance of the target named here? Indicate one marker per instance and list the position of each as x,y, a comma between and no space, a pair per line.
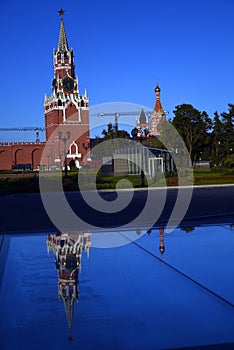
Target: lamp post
222,152
48,161
86,146
64,139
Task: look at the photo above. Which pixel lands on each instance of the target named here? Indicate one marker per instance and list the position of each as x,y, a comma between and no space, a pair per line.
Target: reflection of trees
160,230
187,229
68,248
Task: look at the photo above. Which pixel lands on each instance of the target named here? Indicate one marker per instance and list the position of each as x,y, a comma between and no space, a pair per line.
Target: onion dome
157,89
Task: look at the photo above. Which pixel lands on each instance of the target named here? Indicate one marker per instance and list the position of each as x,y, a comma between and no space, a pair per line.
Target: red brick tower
158,114
66,107
66,114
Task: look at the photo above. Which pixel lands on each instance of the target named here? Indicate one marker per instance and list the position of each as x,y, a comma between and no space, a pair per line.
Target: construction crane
26,128
118,114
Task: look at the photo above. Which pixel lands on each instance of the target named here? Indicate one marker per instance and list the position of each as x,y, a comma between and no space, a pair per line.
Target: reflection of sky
128,297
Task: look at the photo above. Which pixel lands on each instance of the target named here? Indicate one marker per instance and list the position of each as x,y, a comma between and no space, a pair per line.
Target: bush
229,161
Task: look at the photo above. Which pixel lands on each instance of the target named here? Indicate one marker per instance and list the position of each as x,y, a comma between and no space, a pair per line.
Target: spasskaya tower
66,106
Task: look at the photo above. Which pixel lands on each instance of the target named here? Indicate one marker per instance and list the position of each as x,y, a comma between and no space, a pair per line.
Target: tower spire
158,114
69,308
62,43
158,106
142,119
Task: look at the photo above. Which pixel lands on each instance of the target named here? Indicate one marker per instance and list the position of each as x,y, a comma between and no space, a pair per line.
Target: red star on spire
61,12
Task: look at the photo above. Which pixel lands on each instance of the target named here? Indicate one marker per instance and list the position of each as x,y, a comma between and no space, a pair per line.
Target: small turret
142,119
142,124
158,114
158,106
85,93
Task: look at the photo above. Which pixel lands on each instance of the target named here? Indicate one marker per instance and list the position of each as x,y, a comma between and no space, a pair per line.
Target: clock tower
66,107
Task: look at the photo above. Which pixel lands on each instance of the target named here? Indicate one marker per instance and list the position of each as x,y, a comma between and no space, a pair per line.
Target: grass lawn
208,177
29,183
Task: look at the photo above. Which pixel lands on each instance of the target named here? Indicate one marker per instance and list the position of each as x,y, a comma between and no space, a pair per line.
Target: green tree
152,142
217,140
228,130
113,132
117,139
229,161
194,127
172,140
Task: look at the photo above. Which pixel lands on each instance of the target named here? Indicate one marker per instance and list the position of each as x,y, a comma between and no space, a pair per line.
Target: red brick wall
13,153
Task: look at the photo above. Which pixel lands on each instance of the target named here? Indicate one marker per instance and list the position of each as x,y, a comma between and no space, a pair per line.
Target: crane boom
23,128
26,128
118,114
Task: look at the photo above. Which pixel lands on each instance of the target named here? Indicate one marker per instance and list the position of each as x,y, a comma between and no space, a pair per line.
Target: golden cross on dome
61,12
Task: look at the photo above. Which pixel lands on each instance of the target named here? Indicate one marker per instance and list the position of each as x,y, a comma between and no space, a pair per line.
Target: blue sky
122,48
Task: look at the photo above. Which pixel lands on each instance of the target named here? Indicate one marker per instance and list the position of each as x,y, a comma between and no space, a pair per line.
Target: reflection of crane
26,128
118,114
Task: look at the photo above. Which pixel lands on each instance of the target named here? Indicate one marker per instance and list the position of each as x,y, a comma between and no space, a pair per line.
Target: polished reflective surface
162,291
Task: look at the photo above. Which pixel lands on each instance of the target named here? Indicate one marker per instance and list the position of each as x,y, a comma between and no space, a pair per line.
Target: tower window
59,102
65,56
59,56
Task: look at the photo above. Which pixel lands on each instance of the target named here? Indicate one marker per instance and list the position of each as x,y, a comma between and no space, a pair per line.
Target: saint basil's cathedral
66,120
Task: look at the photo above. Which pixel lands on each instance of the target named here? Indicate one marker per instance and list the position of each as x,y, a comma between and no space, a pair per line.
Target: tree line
206,138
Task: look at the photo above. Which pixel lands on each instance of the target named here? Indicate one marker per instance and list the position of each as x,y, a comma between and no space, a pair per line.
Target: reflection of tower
67,248
161,245
161,235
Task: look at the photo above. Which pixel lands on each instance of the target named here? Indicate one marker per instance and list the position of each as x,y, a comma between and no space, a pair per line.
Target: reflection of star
61,12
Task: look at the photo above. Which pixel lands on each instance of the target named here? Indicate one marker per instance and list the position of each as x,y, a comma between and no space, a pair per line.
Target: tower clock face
68,84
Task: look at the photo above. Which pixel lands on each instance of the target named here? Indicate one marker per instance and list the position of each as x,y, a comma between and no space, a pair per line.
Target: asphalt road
25,212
